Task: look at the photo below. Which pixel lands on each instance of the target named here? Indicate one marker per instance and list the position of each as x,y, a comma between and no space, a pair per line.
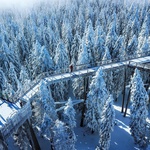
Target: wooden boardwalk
79,73
10,126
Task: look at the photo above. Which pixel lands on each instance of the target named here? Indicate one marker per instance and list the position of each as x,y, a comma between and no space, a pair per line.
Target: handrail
80,66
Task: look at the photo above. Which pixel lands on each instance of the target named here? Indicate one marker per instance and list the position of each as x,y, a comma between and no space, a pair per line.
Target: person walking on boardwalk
71,67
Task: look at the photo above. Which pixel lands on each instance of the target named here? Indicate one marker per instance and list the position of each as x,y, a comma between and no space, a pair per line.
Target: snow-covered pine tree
34,63
139,99
111,37
99,44
46,61
59,90
107,57
80,22
127,33
67,37
143,50
47,102
89,40
69,114
4,62
75,49
96,99
44,103
147,20
8,55
23,49
118,81
3,82
45,127
84,56
144,34
83,62
108,77
136,26
50,38
63,137
24,78
61,58
107,124
13,79
132,47
119,49
103,19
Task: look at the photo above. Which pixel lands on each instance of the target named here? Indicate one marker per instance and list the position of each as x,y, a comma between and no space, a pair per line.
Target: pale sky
21,4
17,3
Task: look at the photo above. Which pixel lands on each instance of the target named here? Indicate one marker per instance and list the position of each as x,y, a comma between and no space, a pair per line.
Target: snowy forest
46,40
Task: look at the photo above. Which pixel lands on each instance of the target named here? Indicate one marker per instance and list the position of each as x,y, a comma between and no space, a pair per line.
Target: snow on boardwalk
79,73
13,111
6,110
12,116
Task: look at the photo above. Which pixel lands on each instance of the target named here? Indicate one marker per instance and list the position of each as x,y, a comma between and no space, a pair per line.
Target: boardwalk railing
139,65
15,121
79,67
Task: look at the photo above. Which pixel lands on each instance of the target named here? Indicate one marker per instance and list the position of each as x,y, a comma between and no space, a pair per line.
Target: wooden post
128,99
124,90
84,104
34,139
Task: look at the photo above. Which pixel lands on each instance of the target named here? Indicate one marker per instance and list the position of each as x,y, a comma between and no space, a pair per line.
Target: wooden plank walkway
76,74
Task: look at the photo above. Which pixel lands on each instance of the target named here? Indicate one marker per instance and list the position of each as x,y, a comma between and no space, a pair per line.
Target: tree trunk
84,104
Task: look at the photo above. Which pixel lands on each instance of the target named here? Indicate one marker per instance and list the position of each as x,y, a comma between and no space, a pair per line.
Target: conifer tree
47,102
119,49
143,51
89,40
45,127
111,37
144,33
139,99
23,49
84,56
107,124
44,104
3,82
61,58
63,137
96,99
13,79
83,62
69,114
34,63
61,65
132,46
135,26
24,78
75,48
67,37
99,44
107,57
46,61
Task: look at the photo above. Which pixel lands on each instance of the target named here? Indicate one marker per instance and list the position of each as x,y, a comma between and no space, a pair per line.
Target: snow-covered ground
120,138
